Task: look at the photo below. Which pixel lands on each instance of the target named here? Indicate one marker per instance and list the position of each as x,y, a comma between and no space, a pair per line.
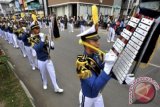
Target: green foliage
11,92
4,61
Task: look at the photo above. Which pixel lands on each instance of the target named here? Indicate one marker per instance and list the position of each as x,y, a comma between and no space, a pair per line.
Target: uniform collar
90,55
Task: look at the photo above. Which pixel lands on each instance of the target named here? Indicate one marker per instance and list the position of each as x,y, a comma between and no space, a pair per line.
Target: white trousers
3,34
10,38
62,26
14,40
35,60
47,66
21,45
32,59
111,35
91,102
71,28
82,28
6,35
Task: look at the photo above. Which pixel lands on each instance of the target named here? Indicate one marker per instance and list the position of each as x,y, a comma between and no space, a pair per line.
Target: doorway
74,10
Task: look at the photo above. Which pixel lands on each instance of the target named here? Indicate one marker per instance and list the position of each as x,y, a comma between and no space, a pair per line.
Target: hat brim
35,27
95,38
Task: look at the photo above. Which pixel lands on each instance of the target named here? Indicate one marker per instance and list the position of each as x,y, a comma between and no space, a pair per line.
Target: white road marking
154,65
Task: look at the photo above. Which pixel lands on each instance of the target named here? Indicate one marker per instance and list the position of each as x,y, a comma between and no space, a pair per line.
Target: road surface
64,57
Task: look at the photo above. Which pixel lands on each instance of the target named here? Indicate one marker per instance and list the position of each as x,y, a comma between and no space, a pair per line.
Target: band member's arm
97,83
39,46
89,77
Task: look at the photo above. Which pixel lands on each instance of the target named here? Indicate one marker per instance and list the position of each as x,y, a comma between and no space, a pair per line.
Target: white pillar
70,10
78,9
112,11
66,10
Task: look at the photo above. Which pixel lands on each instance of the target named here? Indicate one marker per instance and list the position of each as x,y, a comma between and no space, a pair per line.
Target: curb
31,99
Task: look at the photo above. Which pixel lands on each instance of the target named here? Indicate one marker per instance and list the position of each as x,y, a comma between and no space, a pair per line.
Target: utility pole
45,7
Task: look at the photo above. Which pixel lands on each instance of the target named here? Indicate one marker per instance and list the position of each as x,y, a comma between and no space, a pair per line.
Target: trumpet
35,40
18,32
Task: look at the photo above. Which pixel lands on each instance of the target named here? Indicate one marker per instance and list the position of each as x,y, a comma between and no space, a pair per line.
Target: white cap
87,32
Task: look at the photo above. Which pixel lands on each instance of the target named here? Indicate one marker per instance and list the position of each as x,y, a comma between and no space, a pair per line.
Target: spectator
82,24
62,24
77,22
111,34
105,22
70,24
65,21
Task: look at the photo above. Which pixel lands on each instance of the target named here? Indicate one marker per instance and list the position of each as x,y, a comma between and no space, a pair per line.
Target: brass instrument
35,40
18,31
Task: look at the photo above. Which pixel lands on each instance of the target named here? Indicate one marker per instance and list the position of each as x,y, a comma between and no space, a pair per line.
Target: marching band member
14,38
1,29
28,48
9,31
6,31
18,33
93,68
45,64
92,71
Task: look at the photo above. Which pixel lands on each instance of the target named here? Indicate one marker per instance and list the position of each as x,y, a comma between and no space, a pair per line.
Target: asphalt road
64,57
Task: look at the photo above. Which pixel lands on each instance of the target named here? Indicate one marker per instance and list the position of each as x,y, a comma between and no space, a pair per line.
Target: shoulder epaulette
82,67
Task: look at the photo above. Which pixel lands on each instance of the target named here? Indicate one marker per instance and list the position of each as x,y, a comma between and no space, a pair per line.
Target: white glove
51,44
109,59
129,79
15,27
43,37
24,28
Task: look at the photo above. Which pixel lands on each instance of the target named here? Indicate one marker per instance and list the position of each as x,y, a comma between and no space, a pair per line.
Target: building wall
87,9
55,2
82,10
61,10
64,7
116,8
